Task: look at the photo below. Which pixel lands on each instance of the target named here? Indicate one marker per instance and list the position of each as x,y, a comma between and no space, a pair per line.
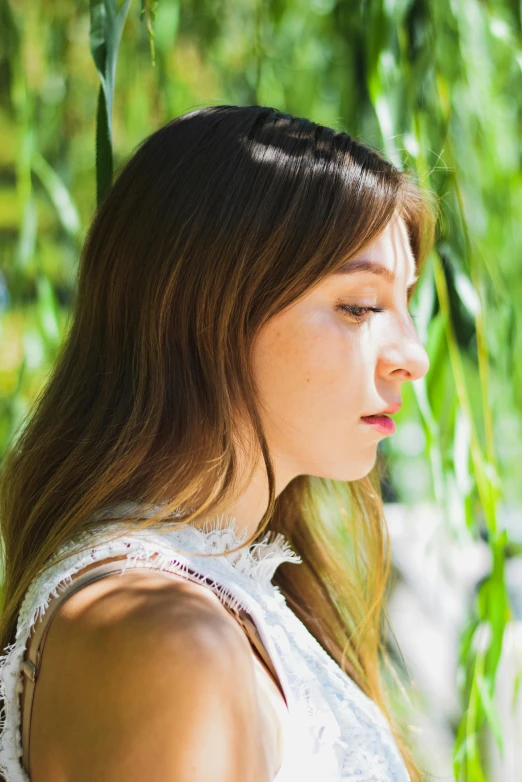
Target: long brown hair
218,221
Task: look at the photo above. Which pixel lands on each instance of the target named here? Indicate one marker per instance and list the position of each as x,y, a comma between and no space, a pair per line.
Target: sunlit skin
318,371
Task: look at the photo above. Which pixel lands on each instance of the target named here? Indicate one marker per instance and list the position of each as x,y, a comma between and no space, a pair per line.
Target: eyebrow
351,267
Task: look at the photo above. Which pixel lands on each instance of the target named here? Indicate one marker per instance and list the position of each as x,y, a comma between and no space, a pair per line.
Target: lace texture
333,732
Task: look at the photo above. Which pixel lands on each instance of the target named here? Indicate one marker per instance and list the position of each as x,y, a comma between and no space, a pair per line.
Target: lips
380,422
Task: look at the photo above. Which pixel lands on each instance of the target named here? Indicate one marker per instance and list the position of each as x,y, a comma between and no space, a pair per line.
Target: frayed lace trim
217,535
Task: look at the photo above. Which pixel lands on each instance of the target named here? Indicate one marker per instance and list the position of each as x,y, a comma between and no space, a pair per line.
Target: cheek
307,366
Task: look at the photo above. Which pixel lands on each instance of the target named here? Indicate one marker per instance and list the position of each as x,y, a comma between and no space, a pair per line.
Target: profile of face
329,359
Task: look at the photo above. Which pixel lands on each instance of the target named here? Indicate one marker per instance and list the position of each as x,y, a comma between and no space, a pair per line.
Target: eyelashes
360,314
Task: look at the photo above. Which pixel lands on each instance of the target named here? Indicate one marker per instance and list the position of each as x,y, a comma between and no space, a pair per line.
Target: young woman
241,329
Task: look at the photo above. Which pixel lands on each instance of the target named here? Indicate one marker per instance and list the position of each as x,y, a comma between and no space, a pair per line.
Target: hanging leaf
104,37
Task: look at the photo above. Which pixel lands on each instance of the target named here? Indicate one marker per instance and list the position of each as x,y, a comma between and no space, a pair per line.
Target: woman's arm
164,693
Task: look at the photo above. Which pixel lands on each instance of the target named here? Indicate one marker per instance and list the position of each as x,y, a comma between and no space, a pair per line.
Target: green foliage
105,34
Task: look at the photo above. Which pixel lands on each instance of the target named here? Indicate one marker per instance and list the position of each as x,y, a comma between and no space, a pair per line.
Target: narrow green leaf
490,710
106,26
58,193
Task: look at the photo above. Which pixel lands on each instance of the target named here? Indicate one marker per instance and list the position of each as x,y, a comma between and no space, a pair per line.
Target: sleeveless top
332,731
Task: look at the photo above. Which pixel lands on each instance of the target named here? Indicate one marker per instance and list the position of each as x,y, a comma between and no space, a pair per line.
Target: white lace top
334,732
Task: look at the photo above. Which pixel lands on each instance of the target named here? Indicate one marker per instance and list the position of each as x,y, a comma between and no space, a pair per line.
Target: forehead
389,255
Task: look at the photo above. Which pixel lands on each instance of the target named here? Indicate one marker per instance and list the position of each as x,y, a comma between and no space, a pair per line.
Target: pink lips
380,422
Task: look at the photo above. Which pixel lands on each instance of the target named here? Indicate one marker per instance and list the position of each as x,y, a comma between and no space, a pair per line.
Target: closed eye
361,314
355,313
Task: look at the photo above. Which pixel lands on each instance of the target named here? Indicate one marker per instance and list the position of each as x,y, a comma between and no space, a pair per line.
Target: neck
251,502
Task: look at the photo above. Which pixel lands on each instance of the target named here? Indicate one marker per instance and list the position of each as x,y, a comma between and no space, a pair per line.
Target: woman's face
318,369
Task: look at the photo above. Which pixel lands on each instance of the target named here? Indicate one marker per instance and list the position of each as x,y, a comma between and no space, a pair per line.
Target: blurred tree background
436,86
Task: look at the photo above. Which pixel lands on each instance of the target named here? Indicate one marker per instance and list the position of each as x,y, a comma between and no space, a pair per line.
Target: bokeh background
436,85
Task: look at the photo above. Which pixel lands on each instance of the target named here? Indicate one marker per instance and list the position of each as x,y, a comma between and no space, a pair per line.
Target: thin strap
33,656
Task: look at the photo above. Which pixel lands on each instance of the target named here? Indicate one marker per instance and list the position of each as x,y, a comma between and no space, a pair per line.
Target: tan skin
318,371
85,673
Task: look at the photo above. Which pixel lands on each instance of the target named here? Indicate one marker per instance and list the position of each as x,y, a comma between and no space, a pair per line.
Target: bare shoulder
148,677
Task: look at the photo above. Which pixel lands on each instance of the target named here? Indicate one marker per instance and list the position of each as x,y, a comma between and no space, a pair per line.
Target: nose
405,357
